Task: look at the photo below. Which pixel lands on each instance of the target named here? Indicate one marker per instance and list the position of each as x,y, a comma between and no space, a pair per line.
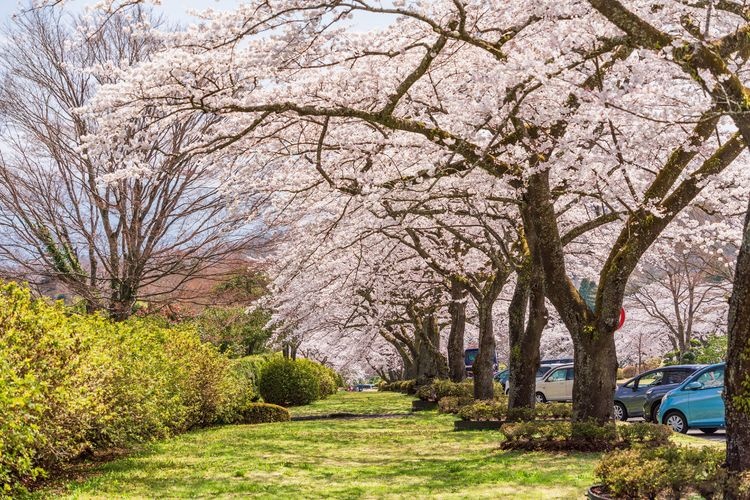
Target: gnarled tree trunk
737,391
525,339
595,356
457,309
483,364
526,334
595,367
431,363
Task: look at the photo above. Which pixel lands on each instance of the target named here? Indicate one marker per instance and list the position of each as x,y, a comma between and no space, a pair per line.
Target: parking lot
720,435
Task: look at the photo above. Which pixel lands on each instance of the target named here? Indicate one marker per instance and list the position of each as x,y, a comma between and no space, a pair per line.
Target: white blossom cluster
395,159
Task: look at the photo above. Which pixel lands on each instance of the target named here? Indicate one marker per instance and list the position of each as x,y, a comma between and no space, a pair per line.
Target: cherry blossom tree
570,104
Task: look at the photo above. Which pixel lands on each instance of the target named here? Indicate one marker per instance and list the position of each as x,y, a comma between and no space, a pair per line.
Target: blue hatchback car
697,403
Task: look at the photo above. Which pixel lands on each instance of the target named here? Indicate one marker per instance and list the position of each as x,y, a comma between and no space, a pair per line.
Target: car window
629,385
712,378
675,376
542,370
569,374
557,375
651,379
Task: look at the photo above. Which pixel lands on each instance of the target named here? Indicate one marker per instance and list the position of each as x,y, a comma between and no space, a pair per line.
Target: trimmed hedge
484,410
453,404
549,411
72,384
404,386
664,472
440,388
261,413
288,382
583,436
498,410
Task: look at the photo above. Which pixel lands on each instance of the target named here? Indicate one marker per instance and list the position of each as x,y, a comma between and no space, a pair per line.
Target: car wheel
676,421
708,430
540,398
655,412
620,412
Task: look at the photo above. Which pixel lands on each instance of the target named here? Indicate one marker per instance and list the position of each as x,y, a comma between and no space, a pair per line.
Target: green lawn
363,403
411,456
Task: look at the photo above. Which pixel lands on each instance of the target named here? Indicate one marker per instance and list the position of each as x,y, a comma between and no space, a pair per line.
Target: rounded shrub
289,382
73,383
663,472
240,387
263,413
326,377
453,404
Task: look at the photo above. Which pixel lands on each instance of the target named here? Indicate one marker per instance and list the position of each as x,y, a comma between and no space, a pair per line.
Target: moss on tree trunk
737,382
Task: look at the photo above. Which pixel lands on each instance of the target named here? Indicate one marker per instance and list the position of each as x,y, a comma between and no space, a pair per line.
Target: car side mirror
635,387
694,386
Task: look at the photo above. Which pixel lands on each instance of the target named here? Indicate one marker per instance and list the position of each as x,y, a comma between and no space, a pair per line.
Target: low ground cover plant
498,410
667,471
440,389
582,436
72,384
404,386
453,404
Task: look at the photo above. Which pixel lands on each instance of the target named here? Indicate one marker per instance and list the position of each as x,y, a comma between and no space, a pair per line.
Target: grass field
415,456
364,403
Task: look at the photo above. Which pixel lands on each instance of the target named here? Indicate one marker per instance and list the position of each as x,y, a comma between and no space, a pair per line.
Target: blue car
697,403
502,377
631,396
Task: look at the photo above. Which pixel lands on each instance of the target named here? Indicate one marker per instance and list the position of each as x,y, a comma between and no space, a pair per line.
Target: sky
176,10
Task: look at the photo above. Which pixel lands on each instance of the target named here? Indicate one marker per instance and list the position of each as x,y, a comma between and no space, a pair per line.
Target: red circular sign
622,318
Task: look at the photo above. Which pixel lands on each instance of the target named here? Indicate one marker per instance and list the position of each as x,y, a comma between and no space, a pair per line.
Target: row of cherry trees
466,150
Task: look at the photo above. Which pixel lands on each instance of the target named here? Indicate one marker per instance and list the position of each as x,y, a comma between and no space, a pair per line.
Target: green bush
408,386
249,369
591,436
326,377
21,408
644,433
440,389
427,393
261,413
240,387
521,414
289,382
233,330
666,471
74,383
484,410
498,410
536,431
453,404
553,411
405,386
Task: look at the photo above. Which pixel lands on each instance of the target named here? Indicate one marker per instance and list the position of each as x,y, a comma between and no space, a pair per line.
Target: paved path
720,435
